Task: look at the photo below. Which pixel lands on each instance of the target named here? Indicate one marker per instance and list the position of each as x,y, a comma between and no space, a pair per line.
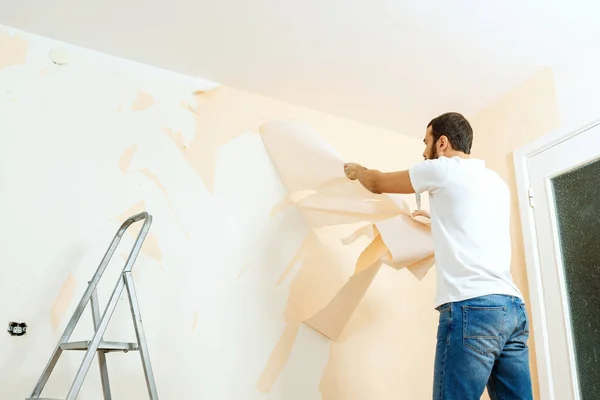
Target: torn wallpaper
312,173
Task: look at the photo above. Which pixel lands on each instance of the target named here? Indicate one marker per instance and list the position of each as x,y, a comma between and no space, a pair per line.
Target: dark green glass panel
577,198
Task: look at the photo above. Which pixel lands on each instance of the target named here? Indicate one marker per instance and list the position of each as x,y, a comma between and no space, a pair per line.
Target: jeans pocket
483,328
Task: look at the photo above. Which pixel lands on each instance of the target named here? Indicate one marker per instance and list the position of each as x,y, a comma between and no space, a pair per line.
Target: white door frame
534,274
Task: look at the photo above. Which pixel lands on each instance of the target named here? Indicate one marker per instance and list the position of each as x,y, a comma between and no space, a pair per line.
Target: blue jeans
483,342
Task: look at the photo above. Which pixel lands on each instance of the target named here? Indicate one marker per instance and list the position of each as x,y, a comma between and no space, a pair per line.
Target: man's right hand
351,169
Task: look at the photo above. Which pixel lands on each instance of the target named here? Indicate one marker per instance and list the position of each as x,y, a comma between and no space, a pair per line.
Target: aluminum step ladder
97,344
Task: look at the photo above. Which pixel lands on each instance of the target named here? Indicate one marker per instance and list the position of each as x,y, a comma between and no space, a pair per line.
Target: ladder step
104,346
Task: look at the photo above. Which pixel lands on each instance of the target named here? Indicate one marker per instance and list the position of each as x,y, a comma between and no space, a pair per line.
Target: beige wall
521,116
86,144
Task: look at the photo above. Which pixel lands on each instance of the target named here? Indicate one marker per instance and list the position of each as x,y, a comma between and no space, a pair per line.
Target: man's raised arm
380,182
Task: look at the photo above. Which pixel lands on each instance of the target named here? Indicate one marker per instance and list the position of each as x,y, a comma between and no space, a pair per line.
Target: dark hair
456,128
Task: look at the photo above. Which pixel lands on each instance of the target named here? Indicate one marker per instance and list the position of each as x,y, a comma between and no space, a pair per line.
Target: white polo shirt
470,224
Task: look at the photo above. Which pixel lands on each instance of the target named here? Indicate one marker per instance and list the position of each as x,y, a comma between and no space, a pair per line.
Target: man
483,327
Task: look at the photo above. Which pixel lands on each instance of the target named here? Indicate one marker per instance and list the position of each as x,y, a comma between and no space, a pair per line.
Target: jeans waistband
507,297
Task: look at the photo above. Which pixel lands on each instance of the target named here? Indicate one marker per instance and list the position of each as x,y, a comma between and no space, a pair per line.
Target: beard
433,154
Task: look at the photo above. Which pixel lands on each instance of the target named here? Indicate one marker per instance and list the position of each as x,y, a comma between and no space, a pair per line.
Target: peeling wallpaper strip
329,198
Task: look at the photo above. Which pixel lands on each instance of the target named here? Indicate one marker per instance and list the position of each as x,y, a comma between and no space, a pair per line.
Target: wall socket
17,328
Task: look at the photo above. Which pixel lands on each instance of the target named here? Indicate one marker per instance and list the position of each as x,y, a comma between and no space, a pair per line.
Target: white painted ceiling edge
392,64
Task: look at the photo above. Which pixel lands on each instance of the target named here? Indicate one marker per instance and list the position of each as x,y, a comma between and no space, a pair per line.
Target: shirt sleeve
429,175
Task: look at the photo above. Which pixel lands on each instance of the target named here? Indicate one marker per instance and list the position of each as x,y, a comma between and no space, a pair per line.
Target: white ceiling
394,64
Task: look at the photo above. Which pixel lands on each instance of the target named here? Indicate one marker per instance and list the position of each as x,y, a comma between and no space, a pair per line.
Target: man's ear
444,142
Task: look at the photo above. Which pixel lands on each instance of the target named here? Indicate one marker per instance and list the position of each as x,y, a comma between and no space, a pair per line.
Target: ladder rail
85,298
141,336
101,355
110,308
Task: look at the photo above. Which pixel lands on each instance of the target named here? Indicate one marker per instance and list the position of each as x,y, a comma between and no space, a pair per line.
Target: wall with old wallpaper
87,140
517,118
